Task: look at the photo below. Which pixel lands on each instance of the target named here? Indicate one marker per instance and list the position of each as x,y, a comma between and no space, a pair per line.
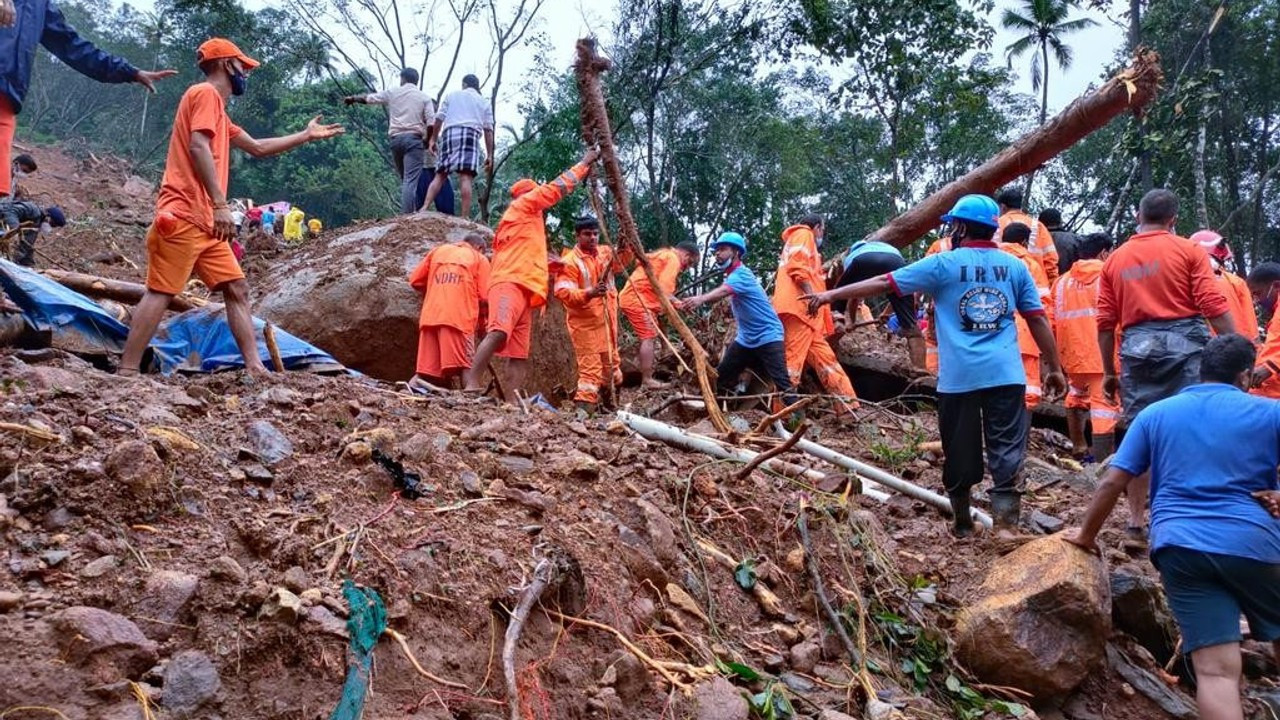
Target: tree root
786,445
815,575
544,574
668,669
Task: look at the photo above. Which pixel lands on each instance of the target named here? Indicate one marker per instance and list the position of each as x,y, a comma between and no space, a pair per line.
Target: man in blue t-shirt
866,259
758,344
981,383
1215,515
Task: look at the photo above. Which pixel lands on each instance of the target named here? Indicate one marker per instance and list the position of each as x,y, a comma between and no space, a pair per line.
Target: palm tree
1044,25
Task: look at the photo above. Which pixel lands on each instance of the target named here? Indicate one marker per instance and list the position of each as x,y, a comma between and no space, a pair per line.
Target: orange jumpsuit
1269,355
805,336
1075,327
1041,245
592,321
1236,291
518,278
453,279
1026,342
942,244
640,301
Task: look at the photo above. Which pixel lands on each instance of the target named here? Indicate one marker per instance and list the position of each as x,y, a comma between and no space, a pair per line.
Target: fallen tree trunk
118,290
587,69
1130,90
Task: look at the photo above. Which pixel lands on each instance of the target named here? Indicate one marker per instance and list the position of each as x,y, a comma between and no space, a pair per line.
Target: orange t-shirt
1157,276
801,262
1075,318
201,109
520,243
454,279
1041,246
1269,355
638,292
1236,291
1026,341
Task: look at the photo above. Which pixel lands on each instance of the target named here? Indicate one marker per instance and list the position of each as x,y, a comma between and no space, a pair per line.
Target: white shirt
465,108
410,109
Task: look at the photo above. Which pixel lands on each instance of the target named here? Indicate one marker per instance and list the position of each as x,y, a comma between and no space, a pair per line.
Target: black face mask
238,82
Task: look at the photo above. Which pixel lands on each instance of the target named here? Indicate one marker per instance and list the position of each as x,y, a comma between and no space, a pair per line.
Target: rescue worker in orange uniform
1041,245
1016,238
942,244
1264,285
1233,287
805,336
585,286
453,279
518,275
640,302
1075,326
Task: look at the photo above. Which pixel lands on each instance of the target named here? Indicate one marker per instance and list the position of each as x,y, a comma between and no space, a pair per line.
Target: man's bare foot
127,372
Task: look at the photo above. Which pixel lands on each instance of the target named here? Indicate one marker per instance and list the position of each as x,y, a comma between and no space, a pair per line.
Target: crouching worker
1215,515
453,280
25,219
759,342
981,382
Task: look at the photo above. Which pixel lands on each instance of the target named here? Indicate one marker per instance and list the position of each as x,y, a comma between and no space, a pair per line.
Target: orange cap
221,48
522,186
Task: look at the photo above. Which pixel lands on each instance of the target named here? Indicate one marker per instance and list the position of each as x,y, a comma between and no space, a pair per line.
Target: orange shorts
175,247
8,123
510,312
642,320
443,350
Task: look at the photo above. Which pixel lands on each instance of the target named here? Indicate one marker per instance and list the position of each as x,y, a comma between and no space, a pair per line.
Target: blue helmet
731,239
978,209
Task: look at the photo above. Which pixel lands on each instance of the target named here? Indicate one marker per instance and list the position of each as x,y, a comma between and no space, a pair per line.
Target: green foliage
771,703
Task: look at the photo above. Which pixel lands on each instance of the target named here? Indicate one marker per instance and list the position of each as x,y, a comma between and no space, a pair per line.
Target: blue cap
978,209
732,239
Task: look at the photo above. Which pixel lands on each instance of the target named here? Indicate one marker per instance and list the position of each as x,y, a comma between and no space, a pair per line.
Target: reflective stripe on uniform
582,269
564,285
1033,390
1103,414
1035,234
1077,314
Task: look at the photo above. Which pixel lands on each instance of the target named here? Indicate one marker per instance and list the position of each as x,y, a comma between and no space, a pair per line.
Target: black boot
960,512
1104,446
1006,510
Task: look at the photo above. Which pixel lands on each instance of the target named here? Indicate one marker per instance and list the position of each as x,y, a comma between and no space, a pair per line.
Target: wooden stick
815,575
118,290
543,575
269,335
588,67
664,668
497,383
404,647
1131,90
772,452
34,433
765,424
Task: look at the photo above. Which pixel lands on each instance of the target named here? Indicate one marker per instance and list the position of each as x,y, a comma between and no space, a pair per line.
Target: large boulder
349,295
1138,608
1039,621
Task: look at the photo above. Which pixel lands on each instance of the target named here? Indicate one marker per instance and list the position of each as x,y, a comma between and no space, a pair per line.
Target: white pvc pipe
877,477
674,436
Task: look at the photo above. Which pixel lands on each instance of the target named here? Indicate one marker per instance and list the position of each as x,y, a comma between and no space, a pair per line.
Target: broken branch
543,575
118,290
772,452
815,575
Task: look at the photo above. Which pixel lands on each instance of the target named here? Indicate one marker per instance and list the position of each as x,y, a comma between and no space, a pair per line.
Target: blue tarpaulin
198,340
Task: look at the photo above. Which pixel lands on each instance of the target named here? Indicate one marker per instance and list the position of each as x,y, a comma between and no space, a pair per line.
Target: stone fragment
281,606
135,466
1039,621
100,567
164,602
268,443
225,568
109,645
804,657
190,681
296,579
718,699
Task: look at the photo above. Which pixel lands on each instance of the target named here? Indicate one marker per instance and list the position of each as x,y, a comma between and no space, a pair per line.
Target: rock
796,683
805,656
190,681
135,466
833,715
100,567
1169,700
1039,621
58,519
54,558
165,599
227,569
577,466
419,448
256,473
662,534
1046,523
281,606
774,663
157,415
323,620
110,646
531,498
268,443
282,396
9,600
718,699
632,677
1138,608
296,579
470,482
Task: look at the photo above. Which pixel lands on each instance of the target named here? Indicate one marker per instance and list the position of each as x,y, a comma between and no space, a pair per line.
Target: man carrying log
1156,291
800,273
1041,246
518,275
639,300
981,382
1215,515
759,343
193,228
453,279
585,287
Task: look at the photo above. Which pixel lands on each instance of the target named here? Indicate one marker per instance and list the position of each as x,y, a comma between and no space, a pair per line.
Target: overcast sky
564,21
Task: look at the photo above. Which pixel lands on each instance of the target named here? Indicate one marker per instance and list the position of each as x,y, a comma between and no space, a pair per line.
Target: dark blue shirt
40,22
1209,448
758,322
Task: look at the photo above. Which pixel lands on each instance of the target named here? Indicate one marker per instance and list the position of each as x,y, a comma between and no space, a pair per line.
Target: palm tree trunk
1044,110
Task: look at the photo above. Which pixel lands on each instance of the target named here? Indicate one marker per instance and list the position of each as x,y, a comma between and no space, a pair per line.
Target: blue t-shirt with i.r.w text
976,290
1201,496
758,322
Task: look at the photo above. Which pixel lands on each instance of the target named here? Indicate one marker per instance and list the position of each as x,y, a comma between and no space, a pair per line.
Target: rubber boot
1104,446
962,517
1006,510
